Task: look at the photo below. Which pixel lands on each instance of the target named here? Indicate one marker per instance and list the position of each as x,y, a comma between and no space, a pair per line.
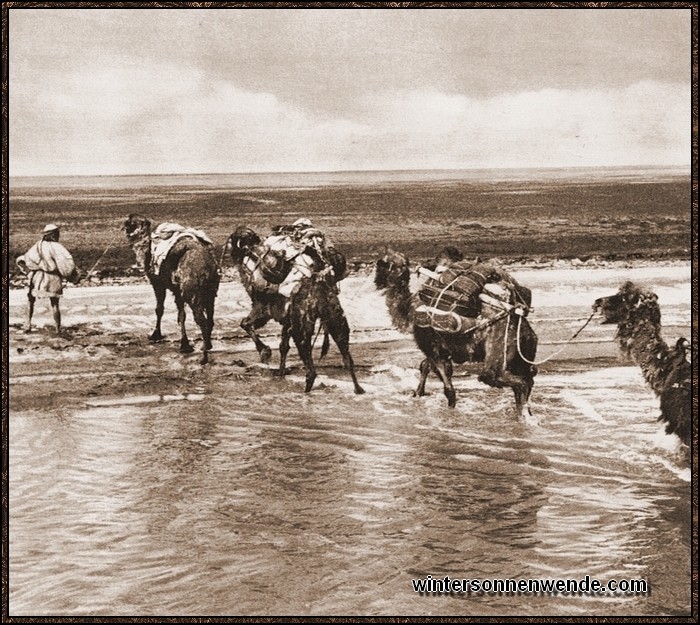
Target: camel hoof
359,390
280,373
530,419
265,355
204,360
186,348
155,337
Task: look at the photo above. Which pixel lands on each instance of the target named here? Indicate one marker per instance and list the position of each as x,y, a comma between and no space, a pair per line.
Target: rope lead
111,244
559,351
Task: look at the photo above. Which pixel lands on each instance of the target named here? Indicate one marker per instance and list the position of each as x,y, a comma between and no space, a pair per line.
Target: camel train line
462,312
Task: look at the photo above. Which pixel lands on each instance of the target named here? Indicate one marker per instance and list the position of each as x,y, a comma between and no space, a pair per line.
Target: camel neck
648,349
142,251
400,300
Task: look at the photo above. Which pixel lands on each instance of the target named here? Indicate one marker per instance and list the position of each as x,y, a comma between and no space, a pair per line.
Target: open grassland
527,221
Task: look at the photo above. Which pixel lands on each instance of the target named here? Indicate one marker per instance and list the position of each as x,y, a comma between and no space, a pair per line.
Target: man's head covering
50,228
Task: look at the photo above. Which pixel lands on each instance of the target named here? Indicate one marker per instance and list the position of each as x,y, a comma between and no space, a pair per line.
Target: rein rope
111,244
559,351
223,254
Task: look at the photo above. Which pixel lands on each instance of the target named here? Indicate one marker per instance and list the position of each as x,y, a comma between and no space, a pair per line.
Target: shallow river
243,496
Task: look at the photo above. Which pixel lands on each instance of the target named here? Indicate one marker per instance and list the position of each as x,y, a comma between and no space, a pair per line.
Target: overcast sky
134,91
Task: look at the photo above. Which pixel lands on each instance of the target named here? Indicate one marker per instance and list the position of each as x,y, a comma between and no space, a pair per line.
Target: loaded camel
492,340
666,369
190,271
315,300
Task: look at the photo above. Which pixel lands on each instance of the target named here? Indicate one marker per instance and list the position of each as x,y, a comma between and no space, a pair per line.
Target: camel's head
338,262
683,347
448,255
138,232
392,269
445,258
136,227
630,304
241,242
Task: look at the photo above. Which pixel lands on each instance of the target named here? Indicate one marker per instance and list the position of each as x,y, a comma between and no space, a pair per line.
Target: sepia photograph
350,310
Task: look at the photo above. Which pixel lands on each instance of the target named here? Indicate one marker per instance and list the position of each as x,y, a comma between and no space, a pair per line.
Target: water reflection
331,503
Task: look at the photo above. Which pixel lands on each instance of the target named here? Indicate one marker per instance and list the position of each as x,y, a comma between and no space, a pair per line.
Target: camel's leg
529,383
284,348
340,331
521,387
326,344
525,372
254,321
185,346
521,390
303,343
443,368
424,371
202,321
209,310
520,376
160,307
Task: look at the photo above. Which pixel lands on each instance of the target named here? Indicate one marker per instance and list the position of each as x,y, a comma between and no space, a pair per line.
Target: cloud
116,116
161,119
643,123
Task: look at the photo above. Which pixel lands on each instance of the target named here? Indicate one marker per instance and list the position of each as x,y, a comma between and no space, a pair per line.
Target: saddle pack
457,288
274,265
166,235
453,299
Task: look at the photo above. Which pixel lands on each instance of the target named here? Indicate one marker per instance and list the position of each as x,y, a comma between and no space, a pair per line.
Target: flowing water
240,495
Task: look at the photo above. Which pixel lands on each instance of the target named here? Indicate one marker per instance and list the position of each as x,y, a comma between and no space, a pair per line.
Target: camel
315,300
666,369
190,271
492,339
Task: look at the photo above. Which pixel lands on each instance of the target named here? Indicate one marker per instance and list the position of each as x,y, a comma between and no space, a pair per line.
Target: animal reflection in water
315,300
666,369
492,340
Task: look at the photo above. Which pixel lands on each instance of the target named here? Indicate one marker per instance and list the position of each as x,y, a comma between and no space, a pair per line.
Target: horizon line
343,171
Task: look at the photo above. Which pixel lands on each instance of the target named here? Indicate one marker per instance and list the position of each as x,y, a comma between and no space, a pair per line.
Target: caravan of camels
461,312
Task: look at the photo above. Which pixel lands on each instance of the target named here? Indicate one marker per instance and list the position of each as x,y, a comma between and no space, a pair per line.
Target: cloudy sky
108,91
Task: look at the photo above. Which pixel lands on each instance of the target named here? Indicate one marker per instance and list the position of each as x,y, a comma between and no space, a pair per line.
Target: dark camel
493,340
190,271
316,299
666,369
